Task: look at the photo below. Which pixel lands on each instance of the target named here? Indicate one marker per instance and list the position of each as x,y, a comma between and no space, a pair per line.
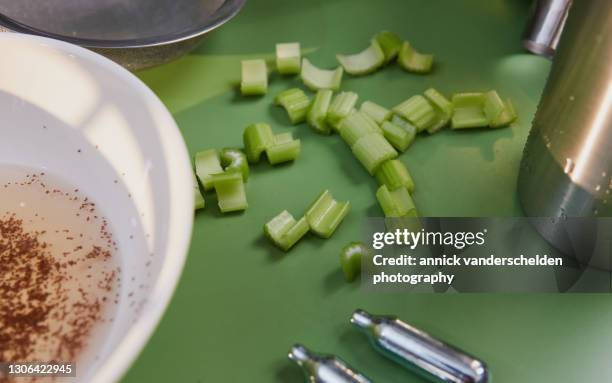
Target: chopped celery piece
397,136
317,115
198,198
285,149
284,231
468,111
394,174
234,160
325,214
356,126
506,117
315,78
375,111
418,111
390,44
342,105
257,138
230,191
207,163
399,121
254,77
350,259
396,203
295,102
364,62
413,61
443,107
493,105
372,150
288,58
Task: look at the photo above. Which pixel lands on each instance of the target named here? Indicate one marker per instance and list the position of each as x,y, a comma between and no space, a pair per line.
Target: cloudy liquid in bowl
59,273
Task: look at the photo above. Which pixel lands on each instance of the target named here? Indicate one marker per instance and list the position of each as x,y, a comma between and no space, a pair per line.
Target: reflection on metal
566,170
324,368
545,26
419,351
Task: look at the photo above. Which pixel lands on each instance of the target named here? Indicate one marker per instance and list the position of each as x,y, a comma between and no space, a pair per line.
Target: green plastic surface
241,303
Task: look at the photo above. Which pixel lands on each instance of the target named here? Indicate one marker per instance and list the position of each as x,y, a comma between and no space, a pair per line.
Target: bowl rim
179,236
228,10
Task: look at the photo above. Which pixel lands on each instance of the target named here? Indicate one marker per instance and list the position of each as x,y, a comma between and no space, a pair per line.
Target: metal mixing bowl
135,33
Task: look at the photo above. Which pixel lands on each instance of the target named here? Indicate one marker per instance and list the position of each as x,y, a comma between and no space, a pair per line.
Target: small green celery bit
198,198
284,149
364,62
372,150
230,191
342,105
284,231
295,102
390,44
399,121
355,126
396,203
443,107
468,111
288,58
351,257
395,175
207,163
325,214
234,160
506,117
315,78
317,115
254,77
397,136
413,61
257,138
418,111
376,112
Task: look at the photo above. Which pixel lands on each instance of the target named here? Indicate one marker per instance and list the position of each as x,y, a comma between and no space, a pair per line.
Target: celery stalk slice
285,149
326,214
372,150
390,43
284,231
295,102
342,105
364,62
397,136
443,107
234,160
413,61
350,259
254,77
506,117
375,111
315,78
317,115
493,106
257,138
396,203
468,111
418,111
199,202
230,191
288,58
207,163
399,121
394,175
355,126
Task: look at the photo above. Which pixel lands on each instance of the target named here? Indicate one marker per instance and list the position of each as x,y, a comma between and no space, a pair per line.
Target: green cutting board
241,303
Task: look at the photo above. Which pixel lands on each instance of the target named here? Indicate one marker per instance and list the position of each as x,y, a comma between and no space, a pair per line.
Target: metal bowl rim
229,9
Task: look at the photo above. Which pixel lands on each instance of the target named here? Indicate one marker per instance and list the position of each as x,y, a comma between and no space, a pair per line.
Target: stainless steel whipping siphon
319,368
419,351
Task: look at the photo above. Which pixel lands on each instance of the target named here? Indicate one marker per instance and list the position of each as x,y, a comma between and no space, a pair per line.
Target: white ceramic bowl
79,115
